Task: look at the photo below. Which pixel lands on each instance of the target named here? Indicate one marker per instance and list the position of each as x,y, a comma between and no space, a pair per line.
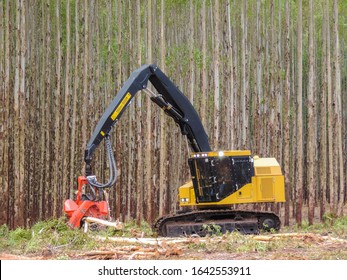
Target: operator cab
216,175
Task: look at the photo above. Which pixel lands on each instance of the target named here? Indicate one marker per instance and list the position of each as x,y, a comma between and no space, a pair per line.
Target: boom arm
170,99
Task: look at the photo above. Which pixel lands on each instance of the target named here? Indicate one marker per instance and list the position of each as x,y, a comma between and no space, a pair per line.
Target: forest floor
52,240
298,246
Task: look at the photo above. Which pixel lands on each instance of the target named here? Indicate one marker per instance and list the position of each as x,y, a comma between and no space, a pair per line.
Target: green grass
280,248
335,226
45,235
131,229
56,237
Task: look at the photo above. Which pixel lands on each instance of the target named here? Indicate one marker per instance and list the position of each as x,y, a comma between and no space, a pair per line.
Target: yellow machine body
265,185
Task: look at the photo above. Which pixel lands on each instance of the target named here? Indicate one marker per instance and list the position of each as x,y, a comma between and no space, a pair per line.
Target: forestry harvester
219,179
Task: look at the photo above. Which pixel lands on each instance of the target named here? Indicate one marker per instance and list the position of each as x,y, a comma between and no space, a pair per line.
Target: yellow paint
266,186
121,106
266,166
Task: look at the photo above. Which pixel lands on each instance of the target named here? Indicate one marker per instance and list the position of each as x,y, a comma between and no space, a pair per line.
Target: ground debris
99,255
280,246
4,256
305,237
133,253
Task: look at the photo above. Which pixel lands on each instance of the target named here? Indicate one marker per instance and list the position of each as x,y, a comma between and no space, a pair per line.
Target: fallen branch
143,255
304,236
98,253
281,235
263,237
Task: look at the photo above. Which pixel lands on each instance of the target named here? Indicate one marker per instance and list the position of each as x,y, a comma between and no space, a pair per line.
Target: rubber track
193,215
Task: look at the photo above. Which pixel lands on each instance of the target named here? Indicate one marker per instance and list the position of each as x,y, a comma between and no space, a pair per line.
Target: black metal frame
170,99
214,178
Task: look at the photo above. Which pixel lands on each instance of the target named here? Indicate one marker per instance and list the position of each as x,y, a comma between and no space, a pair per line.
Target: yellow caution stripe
121,106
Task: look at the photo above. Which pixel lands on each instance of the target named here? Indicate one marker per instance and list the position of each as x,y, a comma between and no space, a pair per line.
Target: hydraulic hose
113,169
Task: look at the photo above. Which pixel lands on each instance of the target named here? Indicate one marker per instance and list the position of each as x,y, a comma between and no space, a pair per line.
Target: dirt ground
286,246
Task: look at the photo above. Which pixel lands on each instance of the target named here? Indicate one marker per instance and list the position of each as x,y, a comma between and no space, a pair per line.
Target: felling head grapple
90,200
84,206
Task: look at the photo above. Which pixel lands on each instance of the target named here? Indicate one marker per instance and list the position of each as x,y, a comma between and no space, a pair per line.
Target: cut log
117,224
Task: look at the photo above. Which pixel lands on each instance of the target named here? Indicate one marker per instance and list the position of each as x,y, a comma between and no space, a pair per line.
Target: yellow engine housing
266,185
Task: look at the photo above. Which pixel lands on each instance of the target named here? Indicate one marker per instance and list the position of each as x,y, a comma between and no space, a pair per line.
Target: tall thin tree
300,149
311,104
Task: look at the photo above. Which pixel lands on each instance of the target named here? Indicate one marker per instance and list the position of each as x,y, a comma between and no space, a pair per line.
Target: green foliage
131,229
14,239
199,246
19,235
212,229
174,4
4,231
198,59
329,218
336,226
56,237
46,235
178,56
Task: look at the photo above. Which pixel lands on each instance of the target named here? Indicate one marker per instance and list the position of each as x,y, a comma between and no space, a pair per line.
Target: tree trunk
204,66
339,120
216,56
244,88
330,122
139,125
311,135
6,114
20,117
76,82
57,118
300,150
148,173
163,156
323,119
286,114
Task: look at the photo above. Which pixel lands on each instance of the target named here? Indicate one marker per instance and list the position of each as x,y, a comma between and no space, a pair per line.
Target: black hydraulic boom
169,98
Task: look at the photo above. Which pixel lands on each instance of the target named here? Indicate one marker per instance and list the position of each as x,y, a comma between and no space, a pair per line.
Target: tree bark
300,150
6,113
244,88
311,135
204,66
323,119
20,117
216,58
163,157
286,115
331,123
139,126
76,82
339,149
57,116
231,77
148,173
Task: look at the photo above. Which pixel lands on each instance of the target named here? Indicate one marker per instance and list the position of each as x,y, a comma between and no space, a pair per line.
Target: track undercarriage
203,222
